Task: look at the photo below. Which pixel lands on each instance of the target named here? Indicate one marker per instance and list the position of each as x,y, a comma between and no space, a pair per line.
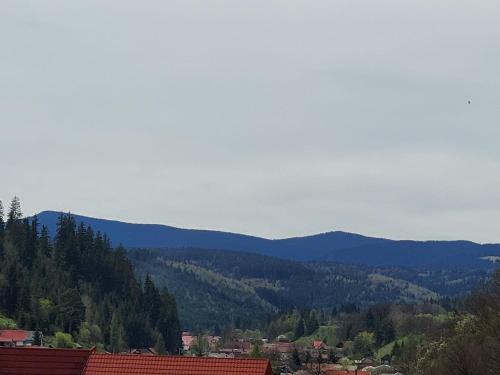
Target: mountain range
335,246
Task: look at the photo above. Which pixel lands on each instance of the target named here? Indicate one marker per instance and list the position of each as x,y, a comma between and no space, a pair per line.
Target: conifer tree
312,323
152,302
160,345
15,226
11,289
78,282
30,242
15,213
299,329
2,230
256,352
296,361
2,222
37,338
396,351
116,335
331,356
44,245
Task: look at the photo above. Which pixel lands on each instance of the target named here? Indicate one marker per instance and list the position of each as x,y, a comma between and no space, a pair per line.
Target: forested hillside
217,288
333,246
77,288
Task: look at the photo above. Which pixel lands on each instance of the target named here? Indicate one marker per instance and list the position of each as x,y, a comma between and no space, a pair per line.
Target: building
38,361
16,338
279,347
187,341
319,345
110,364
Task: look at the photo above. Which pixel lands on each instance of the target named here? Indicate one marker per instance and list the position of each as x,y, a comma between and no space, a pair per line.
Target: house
213,341
109,364
365,362
16,338
143,351
237,348
279,347
319,345
187,341
382,369
37,361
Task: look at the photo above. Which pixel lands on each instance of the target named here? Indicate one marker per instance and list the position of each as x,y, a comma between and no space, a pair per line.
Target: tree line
77,287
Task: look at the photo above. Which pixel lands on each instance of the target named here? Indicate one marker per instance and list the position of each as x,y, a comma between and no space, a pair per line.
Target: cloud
274,118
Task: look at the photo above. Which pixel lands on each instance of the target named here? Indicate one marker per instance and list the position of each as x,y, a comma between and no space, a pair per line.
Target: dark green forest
220,288
77,288
446,337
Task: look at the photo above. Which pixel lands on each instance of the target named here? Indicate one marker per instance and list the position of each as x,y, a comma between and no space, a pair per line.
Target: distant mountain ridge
337,246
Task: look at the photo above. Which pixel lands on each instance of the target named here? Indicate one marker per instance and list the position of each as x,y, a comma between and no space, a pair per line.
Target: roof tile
109,364
41,361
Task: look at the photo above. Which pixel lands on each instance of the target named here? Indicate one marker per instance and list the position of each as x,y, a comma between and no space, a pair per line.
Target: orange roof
187,340
124,364
9,335
318,344
45,361
42,361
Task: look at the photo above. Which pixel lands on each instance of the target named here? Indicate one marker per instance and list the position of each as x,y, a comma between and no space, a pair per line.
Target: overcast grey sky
273,118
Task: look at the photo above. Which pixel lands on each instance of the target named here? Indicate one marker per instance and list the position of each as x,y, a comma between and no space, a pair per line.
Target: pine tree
332,358
299,329
2,230
370,320
152,301
296,361
15,213
396,350
12,289
160,345
312,323
168,323
308,358
2,222
71,310
30,242
115,335
15,225
37,338
78,282
334,312
44,245
256,352
67,251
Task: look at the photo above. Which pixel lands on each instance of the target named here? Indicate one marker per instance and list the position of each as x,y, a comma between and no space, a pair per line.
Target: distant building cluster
203,355
16,338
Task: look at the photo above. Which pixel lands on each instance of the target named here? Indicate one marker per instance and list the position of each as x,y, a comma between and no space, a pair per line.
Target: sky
271,118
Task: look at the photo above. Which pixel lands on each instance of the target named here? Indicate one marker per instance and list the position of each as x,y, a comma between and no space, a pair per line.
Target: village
20,349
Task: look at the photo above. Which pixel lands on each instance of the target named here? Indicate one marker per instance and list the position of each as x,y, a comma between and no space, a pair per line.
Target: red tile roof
42,361
9,335
45,361
318,344
112,364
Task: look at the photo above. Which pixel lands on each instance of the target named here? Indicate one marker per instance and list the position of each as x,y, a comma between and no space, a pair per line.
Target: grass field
323,333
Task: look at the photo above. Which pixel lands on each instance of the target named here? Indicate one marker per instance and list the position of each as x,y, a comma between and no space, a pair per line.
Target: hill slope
215,287
336,246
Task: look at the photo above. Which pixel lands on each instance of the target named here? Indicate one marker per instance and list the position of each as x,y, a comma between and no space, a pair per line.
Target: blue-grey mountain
333,246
